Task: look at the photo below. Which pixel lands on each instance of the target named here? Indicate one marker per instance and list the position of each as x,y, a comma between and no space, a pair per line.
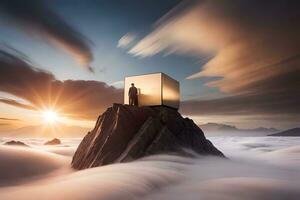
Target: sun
50,116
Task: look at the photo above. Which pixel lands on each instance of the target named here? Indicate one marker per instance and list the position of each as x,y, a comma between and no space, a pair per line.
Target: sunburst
50,116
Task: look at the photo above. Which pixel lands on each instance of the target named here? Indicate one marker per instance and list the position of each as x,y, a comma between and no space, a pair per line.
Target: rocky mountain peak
124,133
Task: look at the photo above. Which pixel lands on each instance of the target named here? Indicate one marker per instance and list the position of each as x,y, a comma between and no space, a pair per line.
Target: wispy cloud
256,46
17,104
243,105
8,122
36,18
117,83
8,119
126,40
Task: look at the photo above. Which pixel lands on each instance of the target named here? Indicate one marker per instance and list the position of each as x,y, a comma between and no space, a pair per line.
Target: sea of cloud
258,168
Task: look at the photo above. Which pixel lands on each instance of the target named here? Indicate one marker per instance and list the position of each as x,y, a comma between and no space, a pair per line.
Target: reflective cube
154,90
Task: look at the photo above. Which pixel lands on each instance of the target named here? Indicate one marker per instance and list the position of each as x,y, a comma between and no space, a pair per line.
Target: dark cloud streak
268,104
17,104
73,98
36,17
8,119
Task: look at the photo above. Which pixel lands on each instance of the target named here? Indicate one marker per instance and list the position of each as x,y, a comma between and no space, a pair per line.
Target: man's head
132,84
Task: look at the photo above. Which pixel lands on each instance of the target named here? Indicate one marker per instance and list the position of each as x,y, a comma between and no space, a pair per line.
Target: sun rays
50,116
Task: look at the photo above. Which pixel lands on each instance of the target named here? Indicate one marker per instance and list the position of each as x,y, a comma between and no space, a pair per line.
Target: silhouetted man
133,95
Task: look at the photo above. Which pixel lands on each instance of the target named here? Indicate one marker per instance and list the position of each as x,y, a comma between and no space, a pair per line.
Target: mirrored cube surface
154,90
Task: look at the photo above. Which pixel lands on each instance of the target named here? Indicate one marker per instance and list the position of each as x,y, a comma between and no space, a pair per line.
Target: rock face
54,141
124,133
16,143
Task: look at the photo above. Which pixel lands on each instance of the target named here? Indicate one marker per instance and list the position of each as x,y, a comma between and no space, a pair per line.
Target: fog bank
259,168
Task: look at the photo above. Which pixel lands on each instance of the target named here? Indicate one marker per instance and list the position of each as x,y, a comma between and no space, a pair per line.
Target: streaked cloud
243,105
126,40
17,104
8,119
119,84
256,46
6,123
37,19
72,98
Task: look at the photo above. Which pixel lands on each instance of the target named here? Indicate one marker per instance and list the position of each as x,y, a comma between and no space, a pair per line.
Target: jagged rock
124,133
54,141
16,143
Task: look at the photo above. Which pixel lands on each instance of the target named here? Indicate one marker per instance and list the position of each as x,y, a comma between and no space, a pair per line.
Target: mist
257,168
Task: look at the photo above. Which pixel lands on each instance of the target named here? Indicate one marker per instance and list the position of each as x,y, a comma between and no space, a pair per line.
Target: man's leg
136,103
130,101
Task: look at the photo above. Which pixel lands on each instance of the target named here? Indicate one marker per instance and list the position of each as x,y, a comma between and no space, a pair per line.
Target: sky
237,62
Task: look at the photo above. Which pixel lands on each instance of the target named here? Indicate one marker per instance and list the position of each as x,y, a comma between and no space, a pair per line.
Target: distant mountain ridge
215,129
62,130
294,132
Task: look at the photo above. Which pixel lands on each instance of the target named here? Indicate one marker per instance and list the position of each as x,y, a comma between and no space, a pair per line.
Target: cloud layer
256,46
35,17
73,98
259,168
